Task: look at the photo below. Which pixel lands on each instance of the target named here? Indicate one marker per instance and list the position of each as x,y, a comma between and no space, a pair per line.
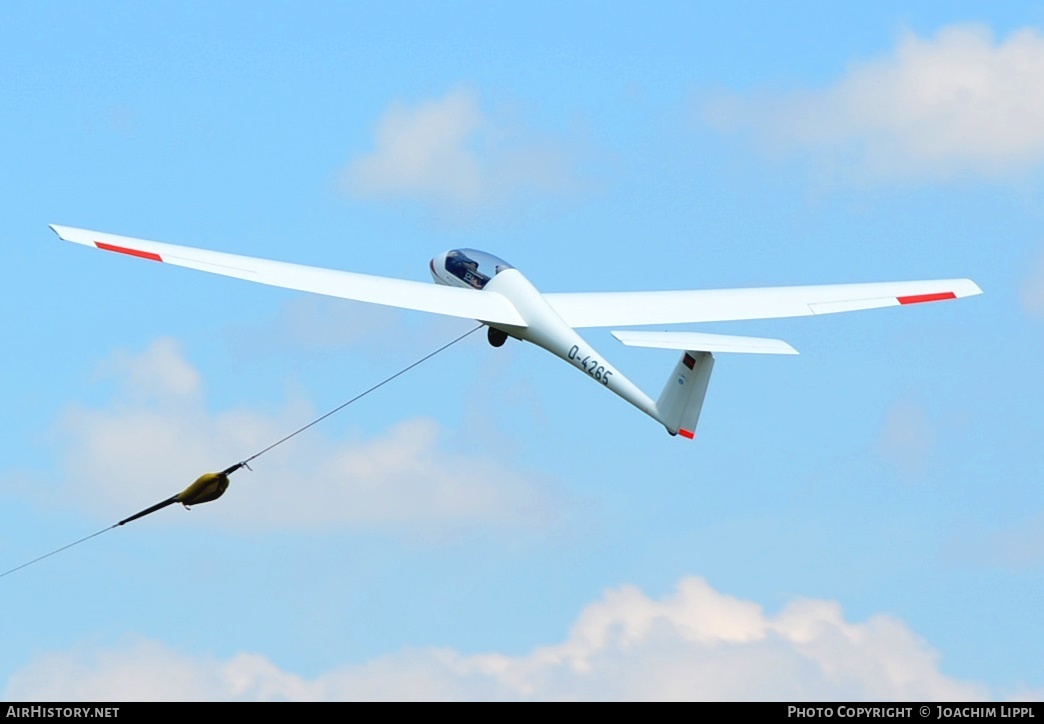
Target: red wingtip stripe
918,298
687,433
132,252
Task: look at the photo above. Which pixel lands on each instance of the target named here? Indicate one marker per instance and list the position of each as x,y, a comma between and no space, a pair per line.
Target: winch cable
210,486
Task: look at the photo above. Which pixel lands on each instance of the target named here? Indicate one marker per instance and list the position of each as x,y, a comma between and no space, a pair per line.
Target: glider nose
436,264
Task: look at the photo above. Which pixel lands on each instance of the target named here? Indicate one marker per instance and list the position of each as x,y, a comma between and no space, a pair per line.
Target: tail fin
682,398
680,402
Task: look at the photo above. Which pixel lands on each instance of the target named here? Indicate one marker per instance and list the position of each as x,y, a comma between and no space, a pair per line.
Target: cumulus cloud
695,644
956,104
446,151
155,436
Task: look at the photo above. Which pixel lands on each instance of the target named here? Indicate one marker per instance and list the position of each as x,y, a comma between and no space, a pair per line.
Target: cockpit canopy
473,267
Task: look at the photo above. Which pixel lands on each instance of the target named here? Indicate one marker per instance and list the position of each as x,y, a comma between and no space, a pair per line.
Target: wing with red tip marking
487,306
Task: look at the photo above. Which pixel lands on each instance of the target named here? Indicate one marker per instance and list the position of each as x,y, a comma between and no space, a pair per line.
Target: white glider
476,285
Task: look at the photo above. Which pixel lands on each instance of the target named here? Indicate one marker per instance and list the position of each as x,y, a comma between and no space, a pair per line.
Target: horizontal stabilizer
700,342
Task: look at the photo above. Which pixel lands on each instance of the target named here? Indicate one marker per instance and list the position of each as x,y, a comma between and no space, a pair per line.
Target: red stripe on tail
132,252
687,433
918,298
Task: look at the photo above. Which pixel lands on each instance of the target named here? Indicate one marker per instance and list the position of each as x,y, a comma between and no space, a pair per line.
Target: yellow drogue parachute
207,487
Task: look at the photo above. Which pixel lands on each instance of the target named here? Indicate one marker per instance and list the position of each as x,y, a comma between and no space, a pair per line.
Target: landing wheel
496,337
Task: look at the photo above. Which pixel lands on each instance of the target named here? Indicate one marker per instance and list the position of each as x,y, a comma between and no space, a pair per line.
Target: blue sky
862,521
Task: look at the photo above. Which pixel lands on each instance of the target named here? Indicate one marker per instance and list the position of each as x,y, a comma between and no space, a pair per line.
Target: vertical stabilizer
680,402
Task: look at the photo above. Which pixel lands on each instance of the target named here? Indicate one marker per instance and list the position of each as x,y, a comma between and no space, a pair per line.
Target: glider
475,285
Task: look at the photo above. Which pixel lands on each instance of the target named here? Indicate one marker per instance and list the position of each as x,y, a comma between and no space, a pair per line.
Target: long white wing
622,309
486,306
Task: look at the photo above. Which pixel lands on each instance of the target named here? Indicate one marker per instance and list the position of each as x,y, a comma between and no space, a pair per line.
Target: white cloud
448,152
157,435
695,644
159,372
955,104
